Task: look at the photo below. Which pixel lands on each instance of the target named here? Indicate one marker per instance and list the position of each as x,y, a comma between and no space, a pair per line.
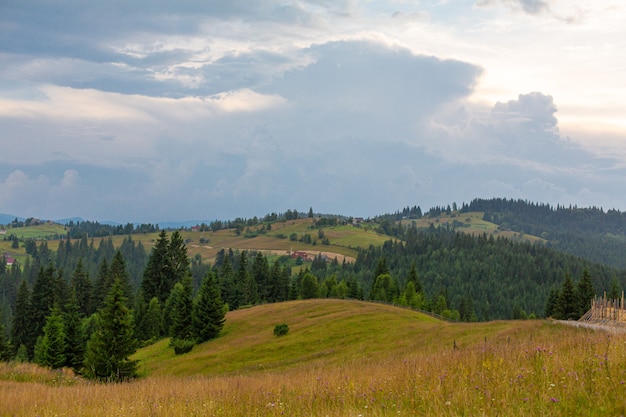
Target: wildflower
554,400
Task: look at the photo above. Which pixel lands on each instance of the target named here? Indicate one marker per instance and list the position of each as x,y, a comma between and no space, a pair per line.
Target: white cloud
127,109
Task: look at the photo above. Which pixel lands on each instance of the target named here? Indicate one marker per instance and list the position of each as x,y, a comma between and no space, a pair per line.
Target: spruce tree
309,287
245,292
113,342
157,276
43,298
181,313
584,293
615,291
5,349
208,310
118,271
567,306
83,289
22,330
261,275
227,283
177,251
51,346
152,320
413,277
74,334
102,286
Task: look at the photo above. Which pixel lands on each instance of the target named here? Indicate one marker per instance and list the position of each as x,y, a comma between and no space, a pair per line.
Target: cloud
144,111
532,7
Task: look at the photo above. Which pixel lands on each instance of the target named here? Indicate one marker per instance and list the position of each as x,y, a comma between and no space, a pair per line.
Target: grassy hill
472,223
345,358
343,239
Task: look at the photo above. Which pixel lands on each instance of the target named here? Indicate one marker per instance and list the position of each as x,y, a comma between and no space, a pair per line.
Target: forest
58,306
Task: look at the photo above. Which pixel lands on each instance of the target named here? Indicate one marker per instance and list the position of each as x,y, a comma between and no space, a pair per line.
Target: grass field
471,223
348,358
344,240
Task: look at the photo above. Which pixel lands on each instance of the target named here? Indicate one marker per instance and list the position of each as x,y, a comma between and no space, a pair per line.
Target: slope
323,333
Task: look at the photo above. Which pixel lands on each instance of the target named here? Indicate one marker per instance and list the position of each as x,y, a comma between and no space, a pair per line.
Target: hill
321,331
350,358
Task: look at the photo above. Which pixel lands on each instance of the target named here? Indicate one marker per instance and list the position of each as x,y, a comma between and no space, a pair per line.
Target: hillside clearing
350,358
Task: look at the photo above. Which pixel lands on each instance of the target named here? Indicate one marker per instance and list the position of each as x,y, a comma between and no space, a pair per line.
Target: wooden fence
606,310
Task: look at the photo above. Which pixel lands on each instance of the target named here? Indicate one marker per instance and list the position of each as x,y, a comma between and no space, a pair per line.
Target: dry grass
529,368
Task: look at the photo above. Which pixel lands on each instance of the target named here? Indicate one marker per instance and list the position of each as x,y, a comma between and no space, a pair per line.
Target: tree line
64,295
94,324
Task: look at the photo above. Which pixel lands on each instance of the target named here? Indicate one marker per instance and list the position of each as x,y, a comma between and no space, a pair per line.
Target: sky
155,110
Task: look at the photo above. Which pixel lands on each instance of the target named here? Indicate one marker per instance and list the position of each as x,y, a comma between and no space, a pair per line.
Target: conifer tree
43,298
413,277
22,333
567,306
309,288
181,312
551,304
74,334
208,310
112,343
51,346
177,251
261,275
103,284
245,288
158,275
5,349
83,289
117,270
152,320
227,283
615,291
584,293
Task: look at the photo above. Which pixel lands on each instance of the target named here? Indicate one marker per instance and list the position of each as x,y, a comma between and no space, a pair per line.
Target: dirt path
613,328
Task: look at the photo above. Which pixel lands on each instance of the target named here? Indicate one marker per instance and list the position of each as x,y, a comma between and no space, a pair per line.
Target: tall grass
521,369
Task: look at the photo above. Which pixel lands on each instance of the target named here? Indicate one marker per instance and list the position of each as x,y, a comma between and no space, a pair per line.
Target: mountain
8,218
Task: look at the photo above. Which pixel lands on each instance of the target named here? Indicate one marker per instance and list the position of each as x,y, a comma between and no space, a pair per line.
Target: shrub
281,329
182,346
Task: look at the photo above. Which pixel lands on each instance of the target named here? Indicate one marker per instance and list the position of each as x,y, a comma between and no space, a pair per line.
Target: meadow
349,358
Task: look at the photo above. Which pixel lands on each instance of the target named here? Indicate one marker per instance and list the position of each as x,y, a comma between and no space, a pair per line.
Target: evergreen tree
419,288
43,298
208,310
384,288
242,282
309,286
152,320
552,303
74,334
158,275
103,284
181,313
5,348
585,293
261,276
227,283
276,292
615,292
117,271
567,306
50,348
179,258
83,289
111,344
381,267
22,331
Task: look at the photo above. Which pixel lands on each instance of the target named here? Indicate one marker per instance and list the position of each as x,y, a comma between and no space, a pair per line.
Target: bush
281,329
182,346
